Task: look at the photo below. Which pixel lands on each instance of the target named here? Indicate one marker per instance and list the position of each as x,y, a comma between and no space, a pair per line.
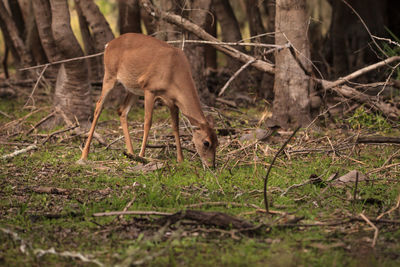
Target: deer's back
141,61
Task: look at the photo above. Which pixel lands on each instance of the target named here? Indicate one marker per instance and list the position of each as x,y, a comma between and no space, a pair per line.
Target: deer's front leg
175,128
148,114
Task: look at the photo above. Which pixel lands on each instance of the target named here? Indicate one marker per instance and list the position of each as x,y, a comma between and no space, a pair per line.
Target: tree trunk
166,31
95,63
351,43
21,55
291,106
196,53
33,39
210,53
16,14
72,96
263,81
42,13
99,26
230,32
129,16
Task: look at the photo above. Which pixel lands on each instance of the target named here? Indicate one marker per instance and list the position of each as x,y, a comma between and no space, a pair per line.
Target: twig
62,61
373,226
69,254
328,84
228,43
5,114
17,152
377,140
41,122
23,247
242,68
36,85
220,203
355,188
58,132
270,167
383,168
365,26
131,212
392,209
299,185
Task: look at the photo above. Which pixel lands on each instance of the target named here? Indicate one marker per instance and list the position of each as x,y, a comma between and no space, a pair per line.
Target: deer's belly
130,83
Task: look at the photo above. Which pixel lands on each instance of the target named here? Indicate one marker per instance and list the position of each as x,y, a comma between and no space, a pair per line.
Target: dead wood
209,218
378,140
17,152
199,32
372,102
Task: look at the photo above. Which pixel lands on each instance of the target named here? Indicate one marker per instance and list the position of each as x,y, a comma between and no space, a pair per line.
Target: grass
64,221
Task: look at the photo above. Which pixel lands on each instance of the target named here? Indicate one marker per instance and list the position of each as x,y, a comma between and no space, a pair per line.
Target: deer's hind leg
123,115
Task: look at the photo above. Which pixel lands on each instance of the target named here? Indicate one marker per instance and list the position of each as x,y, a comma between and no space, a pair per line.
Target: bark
196,53
100,28
72,96
210,56
264,82
33,40
149,22
199,32
95,63
129,16
291,106
42,13
165,30
101,34
230,32
12,38
43,18
16,14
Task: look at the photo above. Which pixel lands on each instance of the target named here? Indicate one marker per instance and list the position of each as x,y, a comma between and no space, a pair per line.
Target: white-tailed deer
150,67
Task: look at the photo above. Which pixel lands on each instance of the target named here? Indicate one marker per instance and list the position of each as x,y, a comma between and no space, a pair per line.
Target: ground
48,202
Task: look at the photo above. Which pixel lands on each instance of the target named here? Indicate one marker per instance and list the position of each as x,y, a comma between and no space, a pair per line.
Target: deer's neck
190,106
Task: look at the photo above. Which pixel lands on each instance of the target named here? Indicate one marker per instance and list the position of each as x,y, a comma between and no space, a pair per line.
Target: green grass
109,183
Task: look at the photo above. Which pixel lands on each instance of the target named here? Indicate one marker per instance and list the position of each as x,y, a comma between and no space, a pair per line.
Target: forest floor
50,206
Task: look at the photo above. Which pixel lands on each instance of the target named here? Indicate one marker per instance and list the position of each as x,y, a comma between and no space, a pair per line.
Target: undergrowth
48,201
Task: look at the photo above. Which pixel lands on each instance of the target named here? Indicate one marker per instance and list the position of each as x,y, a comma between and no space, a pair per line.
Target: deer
149,67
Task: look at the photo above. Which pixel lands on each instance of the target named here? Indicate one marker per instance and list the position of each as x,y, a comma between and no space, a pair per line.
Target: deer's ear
210,120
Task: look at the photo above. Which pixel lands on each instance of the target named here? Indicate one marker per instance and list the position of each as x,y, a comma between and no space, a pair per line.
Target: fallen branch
378,140
218,219
309,181
371,102
17,152
391,210
235,75
199,32
219,203
329,85
376,232
131,212
69,254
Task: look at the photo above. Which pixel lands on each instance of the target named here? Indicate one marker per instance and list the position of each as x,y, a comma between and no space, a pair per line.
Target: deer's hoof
82,162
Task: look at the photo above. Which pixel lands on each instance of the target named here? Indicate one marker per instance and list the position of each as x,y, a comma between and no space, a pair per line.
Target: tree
72,95
291,105
13,38
129,16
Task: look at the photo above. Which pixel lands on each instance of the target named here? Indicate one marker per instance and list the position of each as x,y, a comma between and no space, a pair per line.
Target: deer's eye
206,144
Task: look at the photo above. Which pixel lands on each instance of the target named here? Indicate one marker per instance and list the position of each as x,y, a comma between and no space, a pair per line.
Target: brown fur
150,67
